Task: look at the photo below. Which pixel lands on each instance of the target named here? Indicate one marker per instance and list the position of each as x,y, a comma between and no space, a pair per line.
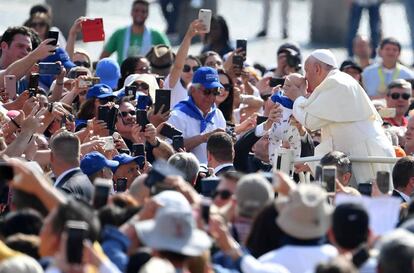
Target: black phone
238,61
159,78
209,185
142,118
49,69
360,257
108,114
6,172
124,151
169,131
273,82
53,35
77,232
138,149
63,121
178,142
33,84
162,97
121,184
329,178
383,181
260,119
131,91
242,44
365,188
318,173
101,194
205,209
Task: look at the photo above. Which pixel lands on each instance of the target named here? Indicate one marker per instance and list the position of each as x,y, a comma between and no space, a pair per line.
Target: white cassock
348,121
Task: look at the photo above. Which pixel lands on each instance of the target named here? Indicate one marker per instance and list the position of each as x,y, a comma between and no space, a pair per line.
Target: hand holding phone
77,232
329,178
169,131
205,16
162,98
243,45
273,82
138,149
142,118
178,143
383,181
101,192
93,30
53,35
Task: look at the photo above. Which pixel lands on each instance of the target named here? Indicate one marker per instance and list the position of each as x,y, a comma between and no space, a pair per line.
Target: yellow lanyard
382,87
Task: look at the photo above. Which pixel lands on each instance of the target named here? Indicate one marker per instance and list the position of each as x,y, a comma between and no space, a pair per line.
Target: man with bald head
339,106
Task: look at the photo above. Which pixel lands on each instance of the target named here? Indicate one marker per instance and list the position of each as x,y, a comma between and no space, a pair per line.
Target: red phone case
93,30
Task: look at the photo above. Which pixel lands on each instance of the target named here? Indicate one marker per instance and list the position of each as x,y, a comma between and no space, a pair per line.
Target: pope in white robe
348,120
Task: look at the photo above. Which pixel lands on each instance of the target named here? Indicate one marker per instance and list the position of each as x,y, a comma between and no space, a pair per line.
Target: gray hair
397,252
187,163
66,147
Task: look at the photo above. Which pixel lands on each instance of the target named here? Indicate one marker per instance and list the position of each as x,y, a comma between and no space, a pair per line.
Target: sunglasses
188,68
212,91
224,194
38,24
396,96
141,85
84,64
228,87
125,114
106,100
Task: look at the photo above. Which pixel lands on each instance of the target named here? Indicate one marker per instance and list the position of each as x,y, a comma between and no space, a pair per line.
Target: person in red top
398,97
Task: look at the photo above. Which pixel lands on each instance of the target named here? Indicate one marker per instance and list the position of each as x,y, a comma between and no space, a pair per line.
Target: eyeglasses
84,64
212,91
125,114
224,194
106,100
188,68
141,85
228,87
396,96
38,24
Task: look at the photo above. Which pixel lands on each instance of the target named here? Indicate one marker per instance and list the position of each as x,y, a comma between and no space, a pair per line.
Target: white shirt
178,91
296,259
404,196
63,175
221,166
191,127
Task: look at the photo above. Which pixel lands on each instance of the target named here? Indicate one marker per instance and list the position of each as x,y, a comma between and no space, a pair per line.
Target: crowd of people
161,161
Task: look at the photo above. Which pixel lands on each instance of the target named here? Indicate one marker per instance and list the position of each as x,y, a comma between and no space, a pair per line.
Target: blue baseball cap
100,91
95,161
108,71
125,159
208,77
62,56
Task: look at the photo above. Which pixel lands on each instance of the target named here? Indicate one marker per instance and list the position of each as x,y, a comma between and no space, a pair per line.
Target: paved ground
243,17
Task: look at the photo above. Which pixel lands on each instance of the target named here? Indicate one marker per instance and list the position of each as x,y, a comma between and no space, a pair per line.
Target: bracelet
15,123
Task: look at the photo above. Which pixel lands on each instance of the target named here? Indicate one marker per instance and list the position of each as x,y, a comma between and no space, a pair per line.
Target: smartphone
162,97
101,192
121,184
63,121
49,69
387,112
209,185
142,119
383,181
124,151
205,209
238,61
260,119
329,178
10,84
33,83
243,45
169,131
93,30
360,257
138,149
53,35
143,102
273,82
131,91
89,82
205,16
159,78
77,232
109,143
318,173
365,188
178,142
108,114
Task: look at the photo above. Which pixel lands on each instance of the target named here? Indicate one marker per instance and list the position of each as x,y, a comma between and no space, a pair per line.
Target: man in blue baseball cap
198,117
129,167
95,165
100,91
108,71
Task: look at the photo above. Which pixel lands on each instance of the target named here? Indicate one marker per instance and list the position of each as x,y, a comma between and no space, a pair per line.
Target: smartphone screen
77,232
205,16
365,188
142,119
178,142
143,102
162,97
205,209
243,45
101,194
238,61
318,173
329,177
273,82
131,91
260,119
49,69
383,181
34,81
138,149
